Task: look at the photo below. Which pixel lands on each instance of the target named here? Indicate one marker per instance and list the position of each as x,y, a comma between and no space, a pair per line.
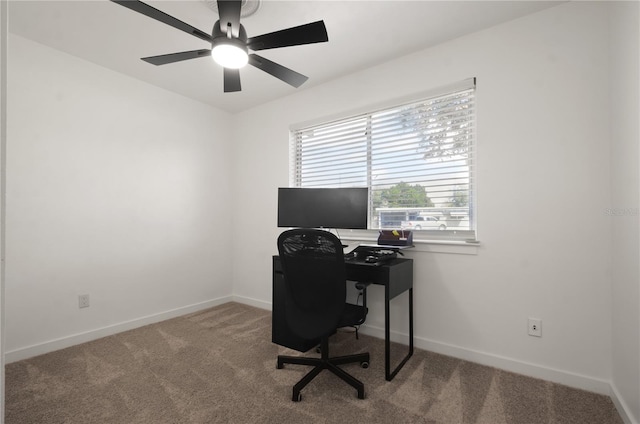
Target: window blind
416,158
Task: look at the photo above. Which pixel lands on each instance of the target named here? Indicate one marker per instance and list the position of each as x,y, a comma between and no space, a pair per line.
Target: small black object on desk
377,255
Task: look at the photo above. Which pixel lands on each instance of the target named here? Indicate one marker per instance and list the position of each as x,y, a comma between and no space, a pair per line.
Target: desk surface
396,274
389,262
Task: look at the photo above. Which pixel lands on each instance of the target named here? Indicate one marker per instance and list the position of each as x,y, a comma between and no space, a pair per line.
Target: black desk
396,276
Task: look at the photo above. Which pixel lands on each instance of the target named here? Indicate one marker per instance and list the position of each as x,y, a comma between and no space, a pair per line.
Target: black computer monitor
323,207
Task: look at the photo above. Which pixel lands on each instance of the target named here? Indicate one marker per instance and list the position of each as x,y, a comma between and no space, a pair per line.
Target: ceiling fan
230,44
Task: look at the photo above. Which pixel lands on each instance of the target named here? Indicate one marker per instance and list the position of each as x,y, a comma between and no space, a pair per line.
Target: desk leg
410,323
389,375
387,335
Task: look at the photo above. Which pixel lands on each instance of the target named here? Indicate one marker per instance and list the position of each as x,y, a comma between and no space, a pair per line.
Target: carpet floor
219,366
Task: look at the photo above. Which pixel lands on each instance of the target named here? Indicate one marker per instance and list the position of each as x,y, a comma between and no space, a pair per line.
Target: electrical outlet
535,327
83,301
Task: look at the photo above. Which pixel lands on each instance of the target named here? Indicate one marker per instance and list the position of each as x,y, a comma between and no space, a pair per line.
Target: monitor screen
323,207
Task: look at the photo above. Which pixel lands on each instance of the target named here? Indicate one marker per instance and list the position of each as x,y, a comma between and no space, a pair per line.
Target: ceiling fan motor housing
218,33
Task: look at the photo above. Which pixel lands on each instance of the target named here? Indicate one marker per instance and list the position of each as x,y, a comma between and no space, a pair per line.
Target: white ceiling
361,34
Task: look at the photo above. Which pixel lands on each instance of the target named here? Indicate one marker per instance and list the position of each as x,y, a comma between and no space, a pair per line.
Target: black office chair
315,301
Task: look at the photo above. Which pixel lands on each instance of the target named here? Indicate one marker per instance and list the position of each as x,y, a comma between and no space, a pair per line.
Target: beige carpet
219,366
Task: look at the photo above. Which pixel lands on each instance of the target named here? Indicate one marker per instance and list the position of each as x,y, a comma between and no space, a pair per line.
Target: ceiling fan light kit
230,54
230,44
227,51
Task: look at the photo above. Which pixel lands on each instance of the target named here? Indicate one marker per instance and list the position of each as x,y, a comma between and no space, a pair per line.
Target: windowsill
446,246
458,247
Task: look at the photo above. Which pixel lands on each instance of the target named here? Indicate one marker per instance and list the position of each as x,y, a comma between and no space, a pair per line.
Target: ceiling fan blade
158,15
314,32
231,80
285,74
229,12
176,57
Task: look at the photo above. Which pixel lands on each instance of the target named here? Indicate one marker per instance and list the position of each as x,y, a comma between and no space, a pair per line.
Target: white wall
543,183
115,189
625,204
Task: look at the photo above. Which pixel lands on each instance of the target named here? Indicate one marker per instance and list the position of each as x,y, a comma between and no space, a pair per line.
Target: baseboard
622,407
75,339
261,304
497,361
577,381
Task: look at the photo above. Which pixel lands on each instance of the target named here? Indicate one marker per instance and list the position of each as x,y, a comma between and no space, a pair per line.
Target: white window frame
424,236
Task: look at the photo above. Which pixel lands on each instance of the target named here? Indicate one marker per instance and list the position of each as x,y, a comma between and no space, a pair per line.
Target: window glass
417,159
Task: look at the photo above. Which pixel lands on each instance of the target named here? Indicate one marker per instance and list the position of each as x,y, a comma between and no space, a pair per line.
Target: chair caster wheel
297,398
364,364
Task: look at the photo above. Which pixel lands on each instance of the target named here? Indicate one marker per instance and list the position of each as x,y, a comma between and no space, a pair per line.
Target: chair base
327,363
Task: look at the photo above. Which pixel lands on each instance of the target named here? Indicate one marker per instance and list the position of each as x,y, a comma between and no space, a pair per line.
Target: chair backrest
315,281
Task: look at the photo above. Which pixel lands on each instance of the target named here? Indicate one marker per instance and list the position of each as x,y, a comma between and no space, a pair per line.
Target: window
417,159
